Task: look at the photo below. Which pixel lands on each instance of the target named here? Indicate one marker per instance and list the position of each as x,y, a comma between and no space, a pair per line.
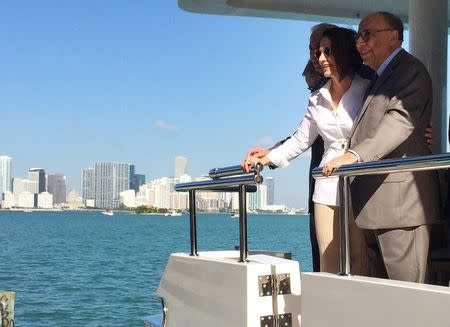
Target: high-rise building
235,201
111,178
162,192
56,185
24,186
180,166
45,200
262,197
136,180
88,185
128,198
132,173
8,200
257,200
21,185
270,183
139,180
26,200
74,200
5,175
38,175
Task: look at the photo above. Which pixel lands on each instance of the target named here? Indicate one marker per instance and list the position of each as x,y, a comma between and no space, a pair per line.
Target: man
316,148
396,209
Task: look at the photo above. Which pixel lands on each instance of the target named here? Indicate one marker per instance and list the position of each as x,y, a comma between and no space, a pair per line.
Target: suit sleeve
298,143
405,113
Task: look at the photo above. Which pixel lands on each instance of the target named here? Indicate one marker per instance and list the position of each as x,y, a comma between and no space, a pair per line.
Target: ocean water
86,269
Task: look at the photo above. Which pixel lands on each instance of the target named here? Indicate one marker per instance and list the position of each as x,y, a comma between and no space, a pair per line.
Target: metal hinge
274,284
282,320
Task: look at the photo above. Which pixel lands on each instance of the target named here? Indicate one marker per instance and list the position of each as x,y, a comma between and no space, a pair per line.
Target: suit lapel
379,82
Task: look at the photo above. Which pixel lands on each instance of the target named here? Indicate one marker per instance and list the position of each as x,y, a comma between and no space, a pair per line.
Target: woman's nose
322,58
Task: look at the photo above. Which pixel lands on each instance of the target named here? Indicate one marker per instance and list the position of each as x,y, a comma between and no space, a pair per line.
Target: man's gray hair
393,21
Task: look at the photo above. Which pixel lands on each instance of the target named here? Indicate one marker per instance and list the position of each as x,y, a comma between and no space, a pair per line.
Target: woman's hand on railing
346,159
251,161
254,153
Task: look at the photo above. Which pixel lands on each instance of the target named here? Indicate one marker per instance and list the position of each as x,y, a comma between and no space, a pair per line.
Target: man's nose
359,46
359,41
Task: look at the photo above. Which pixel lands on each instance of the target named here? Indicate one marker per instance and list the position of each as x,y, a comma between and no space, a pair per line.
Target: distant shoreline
146,214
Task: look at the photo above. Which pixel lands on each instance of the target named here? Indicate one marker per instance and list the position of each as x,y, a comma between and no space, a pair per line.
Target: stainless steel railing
432,162
217,173
227,179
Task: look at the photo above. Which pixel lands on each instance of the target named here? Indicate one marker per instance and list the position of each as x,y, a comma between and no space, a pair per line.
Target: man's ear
395,36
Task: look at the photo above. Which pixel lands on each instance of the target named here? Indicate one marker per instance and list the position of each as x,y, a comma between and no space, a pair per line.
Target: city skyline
181,161
110,185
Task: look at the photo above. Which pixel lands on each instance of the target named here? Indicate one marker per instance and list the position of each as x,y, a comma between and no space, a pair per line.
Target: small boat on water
173,214
107,212
234,215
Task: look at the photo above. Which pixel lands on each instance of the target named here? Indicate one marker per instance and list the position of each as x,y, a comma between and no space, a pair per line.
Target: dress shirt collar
324,92
383,66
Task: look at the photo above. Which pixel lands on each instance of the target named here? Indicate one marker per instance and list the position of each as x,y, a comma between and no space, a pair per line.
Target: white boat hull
214,289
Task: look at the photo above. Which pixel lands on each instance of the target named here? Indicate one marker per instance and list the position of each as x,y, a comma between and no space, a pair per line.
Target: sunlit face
325,58
378,42
314,42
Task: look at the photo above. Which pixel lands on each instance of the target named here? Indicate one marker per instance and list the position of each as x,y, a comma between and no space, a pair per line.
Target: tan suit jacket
391,124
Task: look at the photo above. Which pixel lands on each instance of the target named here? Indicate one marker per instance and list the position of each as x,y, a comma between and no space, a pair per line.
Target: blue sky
143,82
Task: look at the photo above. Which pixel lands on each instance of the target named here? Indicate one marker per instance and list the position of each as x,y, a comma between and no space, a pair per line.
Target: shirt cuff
277,159
356,155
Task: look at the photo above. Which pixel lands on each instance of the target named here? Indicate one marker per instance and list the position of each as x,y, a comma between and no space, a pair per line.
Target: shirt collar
383,66
324,91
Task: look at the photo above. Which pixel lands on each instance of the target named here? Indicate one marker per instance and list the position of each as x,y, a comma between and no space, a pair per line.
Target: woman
330,114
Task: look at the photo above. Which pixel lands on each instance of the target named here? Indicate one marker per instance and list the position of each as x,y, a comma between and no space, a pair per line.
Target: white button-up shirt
334,126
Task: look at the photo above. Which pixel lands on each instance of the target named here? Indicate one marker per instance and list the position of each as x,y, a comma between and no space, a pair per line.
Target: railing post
243,224
344,228
242,183
193,223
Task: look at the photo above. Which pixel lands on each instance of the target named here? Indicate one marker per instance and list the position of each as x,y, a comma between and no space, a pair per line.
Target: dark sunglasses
326,51
368,33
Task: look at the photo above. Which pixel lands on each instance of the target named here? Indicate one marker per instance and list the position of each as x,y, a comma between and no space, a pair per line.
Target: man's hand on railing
253,154
346,159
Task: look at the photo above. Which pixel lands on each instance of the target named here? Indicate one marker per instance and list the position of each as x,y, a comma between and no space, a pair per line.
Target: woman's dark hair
343,49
